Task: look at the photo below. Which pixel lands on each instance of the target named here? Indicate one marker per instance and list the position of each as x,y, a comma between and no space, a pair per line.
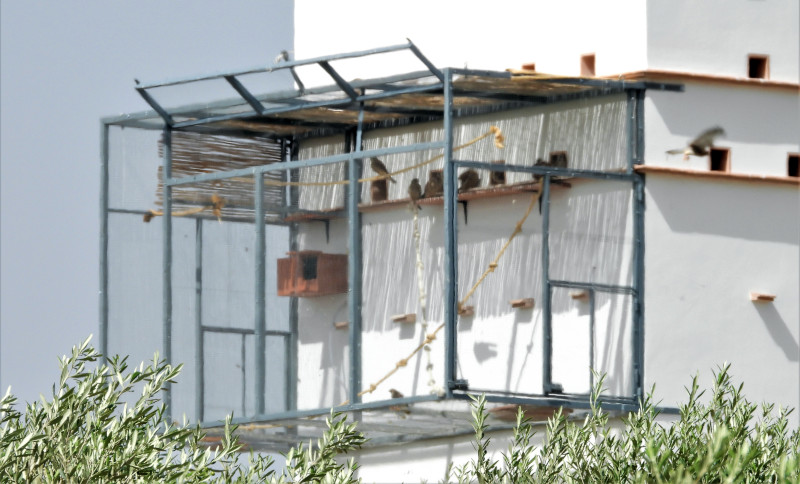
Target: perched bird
379,168
469,179
540,162
497,178
701,145
434,187
415,192
398,408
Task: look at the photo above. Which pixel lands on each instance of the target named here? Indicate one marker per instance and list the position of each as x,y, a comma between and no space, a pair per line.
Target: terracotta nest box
310,273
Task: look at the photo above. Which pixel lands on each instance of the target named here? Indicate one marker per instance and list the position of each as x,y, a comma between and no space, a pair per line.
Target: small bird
398,408
415,192
434,187
540,162
701,145
469,179
497,178
379,168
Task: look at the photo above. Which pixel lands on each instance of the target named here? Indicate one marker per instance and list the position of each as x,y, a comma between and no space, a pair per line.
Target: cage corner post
260,293
293,340
547,293
167,267
636,155
355,263
451,241
103,303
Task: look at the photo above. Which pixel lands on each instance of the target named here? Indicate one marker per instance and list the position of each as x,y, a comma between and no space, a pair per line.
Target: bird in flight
701,145
379,168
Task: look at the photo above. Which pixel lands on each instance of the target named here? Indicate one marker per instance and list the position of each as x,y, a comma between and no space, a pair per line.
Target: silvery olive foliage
91,430
721,439
105,423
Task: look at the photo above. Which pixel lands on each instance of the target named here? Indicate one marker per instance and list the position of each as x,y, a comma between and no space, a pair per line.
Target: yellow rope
493,264
499,141
219,202
215,207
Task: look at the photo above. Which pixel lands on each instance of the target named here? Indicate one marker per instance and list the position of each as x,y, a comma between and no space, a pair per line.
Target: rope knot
372,388
492,266
402,363
499,139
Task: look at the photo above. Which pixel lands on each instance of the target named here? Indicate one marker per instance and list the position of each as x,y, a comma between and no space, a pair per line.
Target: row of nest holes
379,190
757,66
720,160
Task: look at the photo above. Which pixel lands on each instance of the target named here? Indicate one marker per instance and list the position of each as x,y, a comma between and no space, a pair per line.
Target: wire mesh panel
134,287
229,375
573,341
500,279
613,354
591,231
585,134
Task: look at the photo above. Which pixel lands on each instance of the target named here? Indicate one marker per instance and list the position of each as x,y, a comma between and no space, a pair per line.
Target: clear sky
63,66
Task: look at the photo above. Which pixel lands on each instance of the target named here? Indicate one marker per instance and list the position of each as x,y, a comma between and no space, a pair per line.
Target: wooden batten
525,303
762,297
467,311
404,318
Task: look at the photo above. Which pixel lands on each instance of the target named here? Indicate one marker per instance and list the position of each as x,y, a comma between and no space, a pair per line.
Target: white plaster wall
715,36
709,243
497,35
762,125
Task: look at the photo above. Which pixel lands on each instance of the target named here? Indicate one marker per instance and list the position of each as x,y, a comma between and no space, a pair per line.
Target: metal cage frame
354,97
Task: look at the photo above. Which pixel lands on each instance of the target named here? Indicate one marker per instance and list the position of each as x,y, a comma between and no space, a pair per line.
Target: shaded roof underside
327,110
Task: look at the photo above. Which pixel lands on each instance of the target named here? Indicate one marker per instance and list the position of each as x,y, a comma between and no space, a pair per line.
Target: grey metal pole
592,367
637,156
630,129
547,316
355,264
167,267
199,346
450,241
260,282
292,350
103,309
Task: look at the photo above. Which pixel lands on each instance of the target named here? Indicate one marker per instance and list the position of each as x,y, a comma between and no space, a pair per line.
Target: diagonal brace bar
346,87
246,95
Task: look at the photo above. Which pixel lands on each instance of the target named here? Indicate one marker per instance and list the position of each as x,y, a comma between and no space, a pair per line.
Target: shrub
728,439
85,433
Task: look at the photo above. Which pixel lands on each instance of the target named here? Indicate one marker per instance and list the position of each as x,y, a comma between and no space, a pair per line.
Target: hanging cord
430,337
493,264
499,142
432,387
217,203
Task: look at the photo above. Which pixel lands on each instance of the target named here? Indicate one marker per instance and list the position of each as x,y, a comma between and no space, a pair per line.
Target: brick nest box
310,273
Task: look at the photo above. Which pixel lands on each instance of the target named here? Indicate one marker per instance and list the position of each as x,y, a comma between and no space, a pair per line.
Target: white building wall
716,36
762,125
709,244
497,35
